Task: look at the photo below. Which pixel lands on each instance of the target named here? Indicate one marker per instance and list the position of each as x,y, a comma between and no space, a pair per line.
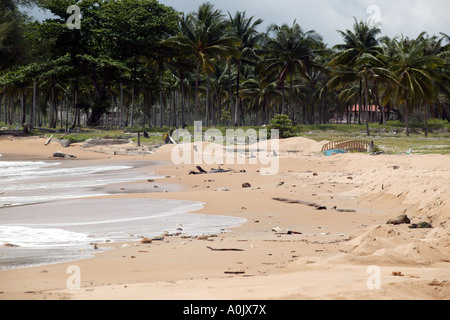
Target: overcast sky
408,17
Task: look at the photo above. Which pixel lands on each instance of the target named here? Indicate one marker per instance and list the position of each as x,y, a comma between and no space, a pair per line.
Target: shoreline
332,250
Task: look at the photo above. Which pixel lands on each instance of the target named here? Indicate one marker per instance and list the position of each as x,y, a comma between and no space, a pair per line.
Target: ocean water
45,221
60,231
27,182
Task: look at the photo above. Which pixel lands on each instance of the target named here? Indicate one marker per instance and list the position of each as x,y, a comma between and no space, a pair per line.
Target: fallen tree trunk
202,171
233,249
306,203
63,155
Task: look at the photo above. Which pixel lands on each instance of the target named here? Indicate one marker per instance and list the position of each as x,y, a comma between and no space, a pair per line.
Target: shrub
283,124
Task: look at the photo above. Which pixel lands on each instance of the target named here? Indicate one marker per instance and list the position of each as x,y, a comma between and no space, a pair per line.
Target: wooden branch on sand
49,140
60,154
225,249
202,171
306,203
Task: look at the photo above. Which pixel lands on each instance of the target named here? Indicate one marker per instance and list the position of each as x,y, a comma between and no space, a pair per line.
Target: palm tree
244,29
355,56
291,50
202,34
416,73
260,92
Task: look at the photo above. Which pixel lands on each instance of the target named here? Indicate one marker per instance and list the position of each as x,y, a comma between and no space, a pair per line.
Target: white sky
408,17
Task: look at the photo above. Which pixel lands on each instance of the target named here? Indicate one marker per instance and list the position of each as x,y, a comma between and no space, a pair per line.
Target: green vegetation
283,124
389,137
139,63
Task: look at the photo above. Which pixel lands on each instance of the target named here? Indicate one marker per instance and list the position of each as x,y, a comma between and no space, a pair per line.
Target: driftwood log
60,154
232,249
306,203
202,171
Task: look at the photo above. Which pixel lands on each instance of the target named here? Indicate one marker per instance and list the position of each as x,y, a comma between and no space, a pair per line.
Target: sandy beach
315,230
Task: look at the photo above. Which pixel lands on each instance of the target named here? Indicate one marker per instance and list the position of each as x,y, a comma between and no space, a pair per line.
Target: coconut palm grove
139,63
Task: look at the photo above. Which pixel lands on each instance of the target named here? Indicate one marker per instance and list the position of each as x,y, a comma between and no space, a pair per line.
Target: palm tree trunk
132,106
196,91
22,103
406,111
366,103
313,111
425,118
33,112
161,119
237,115
174,119
207,99
53,108
291,95
360,101
183,120
121,106
229,86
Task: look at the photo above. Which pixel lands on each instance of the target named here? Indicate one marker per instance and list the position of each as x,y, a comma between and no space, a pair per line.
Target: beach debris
280,184
344,210
279,231
202,171
60,154
223,189
377,153
49,140
403,219
436,282
158,238
202,237
104,142
146,240
234,272
306,203
397,274
227,249
9,245
246,185
421,225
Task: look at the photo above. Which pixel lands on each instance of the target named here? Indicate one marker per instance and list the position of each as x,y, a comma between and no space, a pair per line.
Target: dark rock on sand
399,220
422,225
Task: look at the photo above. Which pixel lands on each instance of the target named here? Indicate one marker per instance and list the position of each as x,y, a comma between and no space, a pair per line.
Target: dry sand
345,252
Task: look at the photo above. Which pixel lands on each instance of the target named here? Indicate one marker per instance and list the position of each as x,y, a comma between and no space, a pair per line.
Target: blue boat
329,153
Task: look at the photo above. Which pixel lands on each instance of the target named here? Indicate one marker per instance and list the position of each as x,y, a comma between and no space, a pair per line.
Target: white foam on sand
26,237
56,231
